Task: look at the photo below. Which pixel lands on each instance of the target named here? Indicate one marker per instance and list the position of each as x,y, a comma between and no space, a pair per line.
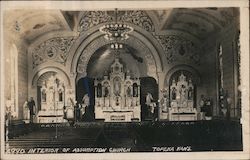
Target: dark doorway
86,86
148,85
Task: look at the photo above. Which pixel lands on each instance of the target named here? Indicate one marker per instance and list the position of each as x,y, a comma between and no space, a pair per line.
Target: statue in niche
43,92
60,96
43,96
183,94
51,97
173,93
106,91
135,90
99,90
129,91
190,93
117,87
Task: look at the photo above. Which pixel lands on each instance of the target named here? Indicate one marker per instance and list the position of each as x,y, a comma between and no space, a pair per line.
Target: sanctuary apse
169,69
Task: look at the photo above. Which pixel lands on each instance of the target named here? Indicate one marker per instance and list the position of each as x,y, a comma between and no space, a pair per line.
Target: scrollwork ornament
93,18
55,49
177,48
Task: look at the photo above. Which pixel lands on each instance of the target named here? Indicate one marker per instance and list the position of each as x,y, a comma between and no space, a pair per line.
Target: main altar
117,95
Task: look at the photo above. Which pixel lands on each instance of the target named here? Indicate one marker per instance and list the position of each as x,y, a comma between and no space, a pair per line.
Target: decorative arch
194,72
60,72
153,55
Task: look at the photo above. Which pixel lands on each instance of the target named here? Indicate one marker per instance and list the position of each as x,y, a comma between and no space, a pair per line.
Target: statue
99,90
85,103
85,100
129,91
190,93
149,98
70,109
173,93
149,102
135,90
31,105
106,91
43,96
183,94
117,87
26,115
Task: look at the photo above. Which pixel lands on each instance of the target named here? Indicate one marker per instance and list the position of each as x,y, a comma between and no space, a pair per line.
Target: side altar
117,96
182,100
52,101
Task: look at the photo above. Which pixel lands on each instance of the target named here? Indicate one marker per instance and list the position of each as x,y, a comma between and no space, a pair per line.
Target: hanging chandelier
116,32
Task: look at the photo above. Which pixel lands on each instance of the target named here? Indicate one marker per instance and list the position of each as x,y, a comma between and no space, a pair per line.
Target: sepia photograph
124,80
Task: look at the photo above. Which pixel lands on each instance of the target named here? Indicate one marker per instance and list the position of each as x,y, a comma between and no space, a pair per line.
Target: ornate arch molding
43,71
133,42
190,69
141,40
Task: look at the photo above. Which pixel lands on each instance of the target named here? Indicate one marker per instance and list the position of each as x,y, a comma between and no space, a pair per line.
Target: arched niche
194,72
132,42
183,77
59,72
102,59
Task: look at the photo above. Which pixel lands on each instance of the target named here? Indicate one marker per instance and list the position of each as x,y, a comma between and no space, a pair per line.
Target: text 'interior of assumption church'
139,79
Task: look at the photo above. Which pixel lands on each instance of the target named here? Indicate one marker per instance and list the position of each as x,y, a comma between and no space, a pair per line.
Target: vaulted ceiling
198,23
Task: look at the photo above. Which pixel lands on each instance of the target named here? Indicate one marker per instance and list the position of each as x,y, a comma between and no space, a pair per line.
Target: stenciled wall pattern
137,17
54,49
177,48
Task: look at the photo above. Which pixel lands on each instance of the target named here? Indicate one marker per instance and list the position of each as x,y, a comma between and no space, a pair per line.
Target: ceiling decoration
55,49
93,18
201,23
192,24
179,49
116,31
140,47
32,24
139,18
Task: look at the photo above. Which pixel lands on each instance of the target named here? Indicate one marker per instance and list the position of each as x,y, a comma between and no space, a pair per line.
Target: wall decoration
179,49
137,17
55,49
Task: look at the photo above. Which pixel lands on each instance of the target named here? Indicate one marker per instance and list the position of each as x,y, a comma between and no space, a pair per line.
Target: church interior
123,78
